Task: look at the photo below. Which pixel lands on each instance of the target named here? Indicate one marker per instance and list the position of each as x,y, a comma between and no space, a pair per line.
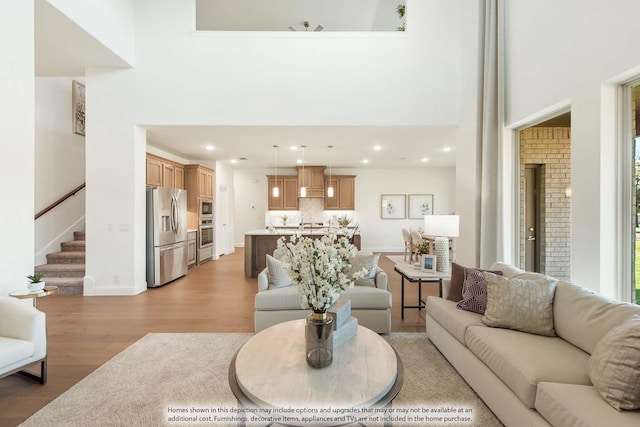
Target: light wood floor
85,332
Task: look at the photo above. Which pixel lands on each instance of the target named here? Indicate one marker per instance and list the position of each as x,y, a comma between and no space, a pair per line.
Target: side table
415,275
26,293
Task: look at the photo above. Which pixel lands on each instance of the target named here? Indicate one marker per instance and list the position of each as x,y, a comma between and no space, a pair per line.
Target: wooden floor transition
85,332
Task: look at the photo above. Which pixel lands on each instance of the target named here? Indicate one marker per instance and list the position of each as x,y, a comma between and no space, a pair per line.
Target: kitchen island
258,243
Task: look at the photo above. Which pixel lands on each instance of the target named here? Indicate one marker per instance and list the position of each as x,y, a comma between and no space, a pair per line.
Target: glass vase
319,340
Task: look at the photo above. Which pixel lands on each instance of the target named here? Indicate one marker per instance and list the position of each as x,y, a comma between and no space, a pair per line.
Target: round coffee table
270,371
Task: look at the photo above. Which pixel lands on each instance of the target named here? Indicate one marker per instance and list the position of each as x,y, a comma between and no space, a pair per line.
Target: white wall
248,79
224,210
467,192
111,22
584,48
17,118
380,235
59,166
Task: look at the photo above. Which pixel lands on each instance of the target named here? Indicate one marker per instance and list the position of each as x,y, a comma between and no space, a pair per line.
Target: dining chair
408,246
416,240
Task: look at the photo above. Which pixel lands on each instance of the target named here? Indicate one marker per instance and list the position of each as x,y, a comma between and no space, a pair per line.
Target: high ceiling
64,49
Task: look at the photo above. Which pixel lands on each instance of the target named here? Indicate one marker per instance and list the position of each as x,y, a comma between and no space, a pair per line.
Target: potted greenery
344,221
35,282
400,11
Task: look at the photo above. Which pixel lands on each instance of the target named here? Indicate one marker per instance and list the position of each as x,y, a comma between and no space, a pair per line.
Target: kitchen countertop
261,241
288,232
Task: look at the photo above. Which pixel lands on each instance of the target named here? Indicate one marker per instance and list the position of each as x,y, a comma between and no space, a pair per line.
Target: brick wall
551,148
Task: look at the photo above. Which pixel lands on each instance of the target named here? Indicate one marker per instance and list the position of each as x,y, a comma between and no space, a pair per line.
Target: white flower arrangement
318,266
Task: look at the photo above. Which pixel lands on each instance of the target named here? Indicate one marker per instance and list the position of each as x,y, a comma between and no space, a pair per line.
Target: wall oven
205,208
205,239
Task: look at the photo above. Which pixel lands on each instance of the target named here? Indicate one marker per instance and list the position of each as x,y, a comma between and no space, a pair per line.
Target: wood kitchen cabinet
154,171
288,199
164,173
191,247
200,180
178,176
344,193
311,177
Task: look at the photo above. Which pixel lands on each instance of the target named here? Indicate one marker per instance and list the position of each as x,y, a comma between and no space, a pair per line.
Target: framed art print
393,206
428,263
420,205
78,101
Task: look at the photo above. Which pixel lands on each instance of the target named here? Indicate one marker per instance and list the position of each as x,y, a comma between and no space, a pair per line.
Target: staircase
66,269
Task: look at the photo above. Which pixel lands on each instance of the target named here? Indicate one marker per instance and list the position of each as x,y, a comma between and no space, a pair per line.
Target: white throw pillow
521,304
368,262
614,365
277,273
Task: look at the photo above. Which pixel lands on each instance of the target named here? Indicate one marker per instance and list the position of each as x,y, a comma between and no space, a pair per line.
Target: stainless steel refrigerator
166,235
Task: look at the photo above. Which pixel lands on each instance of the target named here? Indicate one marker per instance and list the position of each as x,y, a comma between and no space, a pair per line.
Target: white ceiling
63,48
400,146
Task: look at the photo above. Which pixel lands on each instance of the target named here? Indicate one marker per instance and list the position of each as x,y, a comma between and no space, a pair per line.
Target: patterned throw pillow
370,263
474,291
277,273
614,365
457,281
522,304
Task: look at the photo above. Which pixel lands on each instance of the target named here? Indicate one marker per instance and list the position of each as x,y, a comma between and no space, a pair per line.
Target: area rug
190,370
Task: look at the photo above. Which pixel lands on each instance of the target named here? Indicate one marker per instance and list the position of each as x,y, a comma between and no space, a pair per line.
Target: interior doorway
532,189
545,197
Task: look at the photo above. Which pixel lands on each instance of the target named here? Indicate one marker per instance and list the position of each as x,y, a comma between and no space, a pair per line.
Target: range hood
312,178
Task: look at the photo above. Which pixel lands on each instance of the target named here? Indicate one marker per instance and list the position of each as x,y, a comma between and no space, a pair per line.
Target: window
300,15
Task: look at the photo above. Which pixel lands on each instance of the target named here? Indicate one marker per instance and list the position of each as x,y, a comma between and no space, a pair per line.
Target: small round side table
26,293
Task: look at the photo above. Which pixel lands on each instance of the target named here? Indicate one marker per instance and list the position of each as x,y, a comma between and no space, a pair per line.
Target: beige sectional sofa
370,305
528,379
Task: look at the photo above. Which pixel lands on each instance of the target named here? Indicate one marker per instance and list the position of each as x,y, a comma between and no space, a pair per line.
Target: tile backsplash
310,210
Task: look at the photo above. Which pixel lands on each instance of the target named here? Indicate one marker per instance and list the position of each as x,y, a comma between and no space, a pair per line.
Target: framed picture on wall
78,101
393,206
420,205
428,263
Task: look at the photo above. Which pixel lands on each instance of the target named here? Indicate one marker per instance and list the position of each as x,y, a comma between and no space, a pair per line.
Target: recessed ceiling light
365,161
299,161
424,160
234,161
294,148
209,147
446,149
377,148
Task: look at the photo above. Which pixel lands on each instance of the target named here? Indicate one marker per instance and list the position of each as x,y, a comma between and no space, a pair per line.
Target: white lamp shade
276,192
303,191
442,225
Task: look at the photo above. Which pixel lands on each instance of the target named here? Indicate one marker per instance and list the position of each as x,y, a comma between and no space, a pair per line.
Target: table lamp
442,227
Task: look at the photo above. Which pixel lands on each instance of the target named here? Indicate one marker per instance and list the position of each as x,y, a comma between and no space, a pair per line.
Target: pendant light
275,192
330,187
303,189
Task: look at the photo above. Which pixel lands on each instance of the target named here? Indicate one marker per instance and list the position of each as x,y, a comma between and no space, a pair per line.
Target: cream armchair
371,305
23,339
